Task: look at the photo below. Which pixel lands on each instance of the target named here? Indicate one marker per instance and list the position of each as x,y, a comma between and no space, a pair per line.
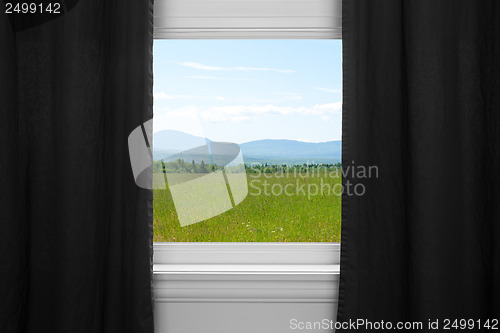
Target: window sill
246,272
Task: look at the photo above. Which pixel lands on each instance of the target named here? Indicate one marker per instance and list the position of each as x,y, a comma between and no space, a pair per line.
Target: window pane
246,140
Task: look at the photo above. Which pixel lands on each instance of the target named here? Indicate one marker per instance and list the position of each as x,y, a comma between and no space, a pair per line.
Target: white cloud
327,119
335,107
239,119
163,95
294,97
241,69
240,113
290,96
203,77
302,139
184,119
338,91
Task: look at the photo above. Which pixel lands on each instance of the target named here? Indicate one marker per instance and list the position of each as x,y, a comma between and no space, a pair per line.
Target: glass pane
246,140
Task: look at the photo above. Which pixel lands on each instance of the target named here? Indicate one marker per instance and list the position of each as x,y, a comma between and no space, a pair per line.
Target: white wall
238,317
244,287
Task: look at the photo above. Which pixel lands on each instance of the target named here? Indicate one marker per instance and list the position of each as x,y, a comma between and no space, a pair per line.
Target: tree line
181,166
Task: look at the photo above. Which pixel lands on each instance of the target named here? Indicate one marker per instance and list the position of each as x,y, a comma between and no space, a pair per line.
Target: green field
311,212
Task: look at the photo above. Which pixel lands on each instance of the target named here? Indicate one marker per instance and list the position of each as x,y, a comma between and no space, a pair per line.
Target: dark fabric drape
75,230
422,103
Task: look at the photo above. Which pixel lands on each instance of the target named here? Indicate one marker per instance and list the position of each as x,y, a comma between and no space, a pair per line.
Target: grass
303,216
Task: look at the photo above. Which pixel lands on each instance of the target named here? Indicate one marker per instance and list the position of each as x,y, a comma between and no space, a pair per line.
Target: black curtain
75,230
422,103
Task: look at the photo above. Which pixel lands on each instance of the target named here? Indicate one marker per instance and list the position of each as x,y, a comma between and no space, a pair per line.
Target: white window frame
245,19
251,272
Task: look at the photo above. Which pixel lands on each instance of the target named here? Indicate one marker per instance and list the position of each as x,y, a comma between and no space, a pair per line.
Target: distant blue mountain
167,143
176,141
292,151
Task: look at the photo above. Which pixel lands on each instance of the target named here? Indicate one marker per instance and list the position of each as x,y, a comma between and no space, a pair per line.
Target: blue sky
244,90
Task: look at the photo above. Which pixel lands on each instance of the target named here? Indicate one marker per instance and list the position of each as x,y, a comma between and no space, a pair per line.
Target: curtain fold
422,103
75,230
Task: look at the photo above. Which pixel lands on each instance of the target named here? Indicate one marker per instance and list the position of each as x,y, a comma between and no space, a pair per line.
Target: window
247,140
225,279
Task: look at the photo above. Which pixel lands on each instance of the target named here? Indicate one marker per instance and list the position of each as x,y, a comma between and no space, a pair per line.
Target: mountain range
169,142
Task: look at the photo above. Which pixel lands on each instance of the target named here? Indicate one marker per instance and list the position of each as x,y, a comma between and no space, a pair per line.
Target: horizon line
206,138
